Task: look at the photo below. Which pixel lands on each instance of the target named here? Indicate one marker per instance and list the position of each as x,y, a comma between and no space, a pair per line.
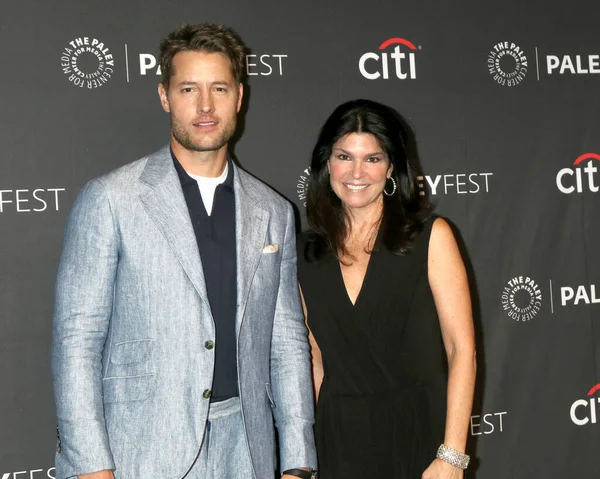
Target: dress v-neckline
362,286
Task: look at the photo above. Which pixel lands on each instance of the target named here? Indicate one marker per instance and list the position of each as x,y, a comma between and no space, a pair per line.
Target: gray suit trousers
224,452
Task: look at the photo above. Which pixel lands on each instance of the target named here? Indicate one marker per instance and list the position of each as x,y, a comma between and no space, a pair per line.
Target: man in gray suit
178,332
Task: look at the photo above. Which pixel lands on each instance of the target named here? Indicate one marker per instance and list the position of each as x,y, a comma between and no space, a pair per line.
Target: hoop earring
394,190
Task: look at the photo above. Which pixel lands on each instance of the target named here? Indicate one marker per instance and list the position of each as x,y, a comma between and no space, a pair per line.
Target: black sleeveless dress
382,405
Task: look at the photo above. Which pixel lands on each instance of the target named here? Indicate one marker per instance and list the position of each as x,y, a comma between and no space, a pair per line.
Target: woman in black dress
387,305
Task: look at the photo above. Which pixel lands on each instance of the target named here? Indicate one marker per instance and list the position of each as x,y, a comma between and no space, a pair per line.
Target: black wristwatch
312,474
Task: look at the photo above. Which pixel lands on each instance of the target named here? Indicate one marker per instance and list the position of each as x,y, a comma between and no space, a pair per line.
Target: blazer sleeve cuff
82,448
292,456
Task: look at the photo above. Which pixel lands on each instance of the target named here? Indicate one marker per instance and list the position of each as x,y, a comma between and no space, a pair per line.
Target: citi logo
580,179
401,63
585,411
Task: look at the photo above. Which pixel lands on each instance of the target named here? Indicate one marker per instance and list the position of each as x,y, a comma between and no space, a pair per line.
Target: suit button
207,393
209,344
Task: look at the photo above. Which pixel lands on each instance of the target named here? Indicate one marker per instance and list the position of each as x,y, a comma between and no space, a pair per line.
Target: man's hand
98,475
442,470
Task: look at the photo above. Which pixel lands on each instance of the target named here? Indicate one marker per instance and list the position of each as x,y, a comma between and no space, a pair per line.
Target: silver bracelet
453,457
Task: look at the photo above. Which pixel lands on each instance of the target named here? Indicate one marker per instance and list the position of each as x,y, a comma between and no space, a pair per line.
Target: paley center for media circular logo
507,63
521,298
87,62
302,185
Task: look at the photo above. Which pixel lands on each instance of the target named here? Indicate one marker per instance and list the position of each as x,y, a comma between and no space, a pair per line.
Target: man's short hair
204,37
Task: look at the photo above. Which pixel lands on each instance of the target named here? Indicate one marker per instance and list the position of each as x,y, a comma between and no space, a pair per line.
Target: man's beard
185,138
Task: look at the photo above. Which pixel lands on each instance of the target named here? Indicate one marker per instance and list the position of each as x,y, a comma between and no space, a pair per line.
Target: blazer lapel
163,199
251,222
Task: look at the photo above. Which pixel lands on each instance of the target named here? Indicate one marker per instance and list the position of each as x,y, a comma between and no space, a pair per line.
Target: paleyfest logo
401,65
521,298
87,62
507,64
30,474
264,64
487,423
459,183
573,64
28,200
581,294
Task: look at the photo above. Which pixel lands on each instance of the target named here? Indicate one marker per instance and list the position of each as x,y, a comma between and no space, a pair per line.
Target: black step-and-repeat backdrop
505,100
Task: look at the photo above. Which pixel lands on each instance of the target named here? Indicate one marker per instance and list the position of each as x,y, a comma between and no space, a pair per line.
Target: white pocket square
272,248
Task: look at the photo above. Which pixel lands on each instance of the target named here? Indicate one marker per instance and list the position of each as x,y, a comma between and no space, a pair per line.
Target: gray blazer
132,316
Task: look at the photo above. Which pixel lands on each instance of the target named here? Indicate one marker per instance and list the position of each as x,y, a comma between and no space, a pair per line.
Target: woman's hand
442,470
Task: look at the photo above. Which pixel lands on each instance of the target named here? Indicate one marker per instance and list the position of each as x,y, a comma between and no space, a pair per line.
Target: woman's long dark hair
403,213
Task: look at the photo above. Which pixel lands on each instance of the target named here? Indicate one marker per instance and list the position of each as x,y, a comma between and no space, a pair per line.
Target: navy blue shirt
215,235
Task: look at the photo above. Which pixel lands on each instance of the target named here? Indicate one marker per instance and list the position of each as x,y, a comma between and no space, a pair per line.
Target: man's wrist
302,473
104,474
